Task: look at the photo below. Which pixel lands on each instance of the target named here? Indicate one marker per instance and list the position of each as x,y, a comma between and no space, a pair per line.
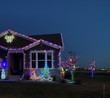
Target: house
20,53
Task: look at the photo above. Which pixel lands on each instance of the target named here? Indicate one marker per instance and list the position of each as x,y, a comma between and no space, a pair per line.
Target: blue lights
4,65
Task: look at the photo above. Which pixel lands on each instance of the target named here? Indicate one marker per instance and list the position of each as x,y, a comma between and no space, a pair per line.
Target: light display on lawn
32,75
45,75
92,68
3,74
3,67
9,38
70,65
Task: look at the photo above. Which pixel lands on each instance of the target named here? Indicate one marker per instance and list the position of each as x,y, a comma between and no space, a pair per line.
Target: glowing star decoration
45,74
70,65
9,38
92,67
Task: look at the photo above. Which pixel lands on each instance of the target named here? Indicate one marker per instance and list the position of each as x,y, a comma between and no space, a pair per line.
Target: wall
42,47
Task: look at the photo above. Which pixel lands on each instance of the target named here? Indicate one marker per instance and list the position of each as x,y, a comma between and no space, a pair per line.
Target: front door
15,63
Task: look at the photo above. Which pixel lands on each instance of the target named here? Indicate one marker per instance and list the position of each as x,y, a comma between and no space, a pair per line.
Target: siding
42,47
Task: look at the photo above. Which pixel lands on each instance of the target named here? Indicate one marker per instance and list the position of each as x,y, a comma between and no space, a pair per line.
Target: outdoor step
14,76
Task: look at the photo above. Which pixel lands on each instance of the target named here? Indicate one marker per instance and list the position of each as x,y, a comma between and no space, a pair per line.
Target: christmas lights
92,68
10,38
70,65
32,75
45,74
35,42
42,51
4,66
3,74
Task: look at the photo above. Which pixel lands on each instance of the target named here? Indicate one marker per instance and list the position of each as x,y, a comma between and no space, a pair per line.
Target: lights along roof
18,41
22,41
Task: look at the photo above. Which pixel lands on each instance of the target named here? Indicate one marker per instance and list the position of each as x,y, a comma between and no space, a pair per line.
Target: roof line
18,34
33,44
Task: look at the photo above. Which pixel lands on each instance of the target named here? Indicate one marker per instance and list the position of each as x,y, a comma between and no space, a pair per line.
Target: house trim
44,42
17,34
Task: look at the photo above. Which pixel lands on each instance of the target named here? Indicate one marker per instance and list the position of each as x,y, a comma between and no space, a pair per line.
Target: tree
70,65
92,67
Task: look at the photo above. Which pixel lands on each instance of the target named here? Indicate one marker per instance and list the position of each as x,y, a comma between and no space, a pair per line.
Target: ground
90,88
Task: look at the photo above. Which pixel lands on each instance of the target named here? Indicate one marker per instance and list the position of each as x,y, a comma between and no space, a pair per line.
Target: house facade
19,54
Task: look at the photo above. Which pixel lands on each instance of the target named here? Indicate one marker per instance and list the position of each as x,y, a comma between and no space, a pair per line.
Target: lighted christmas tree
92,68
70,65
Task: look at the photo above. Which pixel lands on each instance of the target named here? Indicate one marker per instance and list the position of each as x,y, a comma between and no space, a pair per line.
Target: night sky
84,24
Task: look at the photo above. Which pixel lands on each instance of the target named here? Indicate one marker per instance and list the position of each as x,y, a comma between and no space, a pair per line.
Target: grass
90,88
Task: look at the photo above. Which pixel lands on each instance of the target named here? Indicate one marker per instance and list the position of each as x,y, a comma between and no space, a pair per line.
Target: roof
18,41
54,38
21,41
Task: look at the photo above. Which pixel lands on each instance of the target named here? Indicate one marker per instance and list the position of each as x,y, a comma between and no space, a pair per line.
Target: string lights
70,65
9,39
35,42
92,68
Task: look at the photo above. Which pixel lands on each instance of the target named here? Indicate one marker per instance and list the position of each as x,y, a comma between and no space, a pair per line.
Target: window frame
50,51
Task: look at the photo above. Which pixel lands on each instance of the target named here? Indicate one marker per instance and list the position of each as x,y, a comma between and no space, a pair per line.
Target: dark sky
84,24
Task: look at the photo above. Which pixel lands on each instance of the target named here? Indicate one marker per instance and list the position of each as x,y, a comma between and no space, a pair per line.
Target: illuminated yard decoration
62,73
32,75
3,67
9,38
92,68
70,65
3,74
45,74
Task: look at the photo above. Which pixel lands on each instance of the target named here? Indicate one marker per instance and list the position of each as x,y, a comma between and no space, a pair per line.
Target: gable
10,40
18,41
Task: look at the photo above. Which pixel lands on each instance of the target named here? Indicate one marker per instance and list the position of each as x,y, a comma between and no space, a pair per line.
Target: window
49,59
41,59
33,60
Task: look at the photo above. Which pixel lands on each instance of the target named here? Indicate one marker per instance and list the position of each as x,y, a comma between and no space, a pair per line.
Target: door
15,63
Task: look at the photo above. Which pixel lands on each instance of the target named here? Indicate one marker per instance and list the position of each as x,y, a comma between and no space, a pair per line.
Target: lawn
90,88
